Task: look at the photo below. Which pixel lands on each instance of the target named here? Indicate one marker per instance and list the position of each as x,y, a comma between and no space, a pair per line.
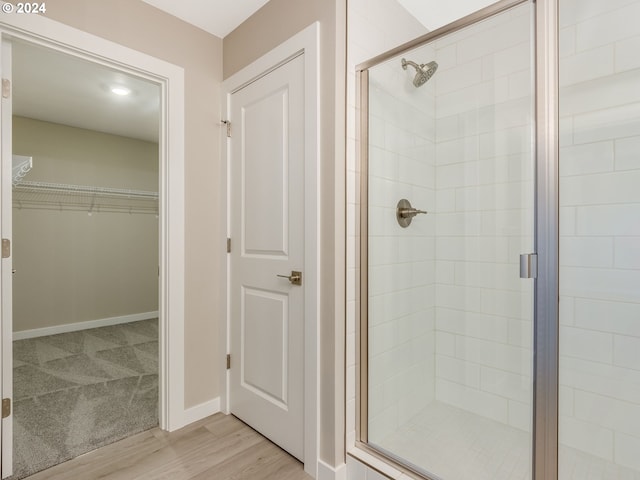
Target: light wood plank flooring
219,447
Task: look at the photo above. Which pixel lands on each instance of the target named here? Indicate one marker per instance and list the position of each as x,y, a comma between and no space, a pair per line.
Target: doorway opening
169,80
85,256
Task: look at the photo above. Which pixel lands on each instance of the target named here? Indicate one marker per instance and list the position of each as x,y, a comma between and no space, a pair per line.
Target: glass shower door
449,209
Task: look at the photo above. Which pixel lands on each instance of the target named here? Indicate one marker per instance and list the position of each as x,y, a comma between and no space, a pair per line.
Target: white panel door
267,235
6,280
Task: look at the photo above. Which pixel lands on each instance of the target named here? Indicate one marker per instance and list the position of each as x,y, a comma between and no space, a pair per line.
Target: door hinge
228,361
6,88
6,407
228,245
228,124
6,248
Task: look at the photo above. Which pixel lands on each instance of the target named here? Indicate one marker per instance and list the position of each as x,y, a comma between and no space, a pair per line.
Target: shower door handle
529,265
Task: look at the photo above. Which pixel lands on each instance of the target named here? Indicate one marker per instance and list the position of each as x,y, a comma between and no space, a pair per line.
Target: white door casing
306,45
6,272
267,205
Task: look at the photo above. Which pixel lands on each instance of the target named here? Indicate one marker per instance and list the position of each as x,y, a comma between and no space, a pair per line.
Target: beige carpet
75,392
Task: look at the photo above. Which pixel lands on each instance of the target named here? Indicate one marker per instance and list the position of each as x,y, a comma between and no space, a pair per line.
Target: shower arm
413,64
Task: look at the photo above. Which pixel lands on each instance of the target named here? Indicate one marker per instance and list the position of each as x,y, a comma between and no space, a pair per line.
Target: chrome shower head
423,72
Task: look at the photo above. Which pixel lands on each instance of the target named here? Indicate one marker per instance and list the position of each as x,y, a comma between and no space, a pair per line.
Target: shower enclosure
482,203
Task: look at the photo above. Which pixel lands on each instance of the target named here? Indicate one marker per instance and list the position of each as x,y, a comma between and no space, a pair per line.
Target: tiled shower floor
453,444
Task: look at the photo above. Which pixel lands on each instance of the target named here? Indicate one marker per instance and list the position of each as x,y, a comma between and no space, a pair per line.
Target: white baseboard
74,327
204,410
326,472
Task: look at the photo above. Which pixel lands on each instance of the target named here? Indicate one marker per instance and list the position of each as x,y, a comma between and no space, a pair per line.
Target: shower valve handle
410,212
405,213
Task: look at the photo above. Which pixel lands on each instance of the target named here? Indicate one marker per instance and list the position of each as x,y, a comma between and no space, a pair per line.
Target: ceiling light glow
120,90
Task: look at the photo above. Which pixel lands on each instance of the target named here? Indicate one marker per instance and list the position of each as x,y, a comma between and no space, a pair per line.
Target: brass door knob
295,278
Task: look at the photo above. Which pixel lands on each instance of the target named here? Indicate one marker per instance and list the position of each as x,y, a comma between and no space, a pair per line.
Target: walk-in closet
85,256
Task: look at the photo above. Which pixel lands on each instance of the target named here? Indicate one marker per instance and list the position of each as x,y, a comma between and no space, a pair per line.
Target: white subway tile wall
402,261
482,171
600,232
484,218
373,29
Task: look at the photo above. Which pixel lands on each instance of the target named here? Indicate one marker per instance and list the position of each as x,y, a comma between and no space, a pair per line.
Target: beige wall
139,26
71,266
277,21
64,154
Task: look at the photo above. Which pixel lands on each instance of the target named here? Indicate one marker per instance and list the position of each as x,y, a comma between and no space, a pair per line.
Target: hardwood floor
219,447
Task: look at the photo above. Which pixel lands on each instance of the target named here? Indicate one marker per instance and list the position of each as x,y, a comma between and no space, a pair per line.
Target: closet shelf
84,190
21,165
31,195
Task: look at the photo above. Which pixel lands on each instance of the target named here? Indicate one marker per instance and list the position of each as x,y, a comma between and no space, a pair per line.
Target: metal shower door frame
546,231
546,238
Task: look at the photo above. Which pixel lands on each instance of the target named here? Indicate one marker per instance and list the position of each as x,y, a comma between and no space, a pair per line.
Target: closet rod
31,186
82,208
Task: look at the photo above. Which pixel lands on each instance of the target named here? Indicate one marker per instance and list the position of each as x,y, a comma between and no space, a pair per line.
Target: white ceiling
59,88
219,17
